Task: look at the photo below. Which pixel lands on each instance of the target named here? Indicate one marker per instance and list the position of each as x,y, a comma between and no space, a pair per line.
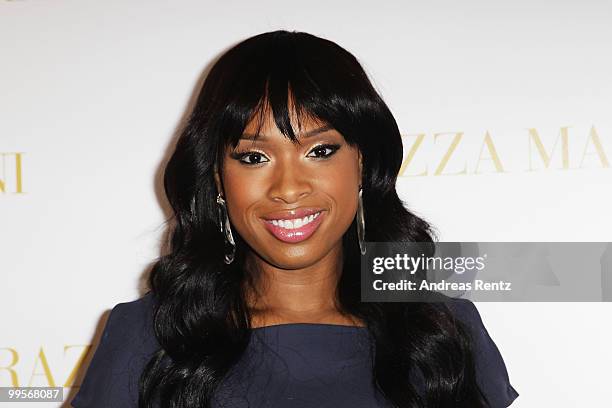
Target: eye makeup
240,155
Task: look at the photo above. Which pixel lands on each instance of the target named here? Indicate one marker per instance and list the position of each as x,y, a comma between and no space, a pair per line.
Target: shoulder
127,343
491,373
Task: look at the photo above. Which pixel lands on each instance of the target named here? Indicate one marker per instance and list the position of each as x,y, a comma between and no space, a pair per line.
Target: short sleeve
491,373
127,343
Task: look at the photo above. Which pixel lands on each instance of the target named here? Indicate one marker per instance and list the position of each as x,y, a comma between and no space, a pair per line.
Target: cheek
344,196
242,194
342,185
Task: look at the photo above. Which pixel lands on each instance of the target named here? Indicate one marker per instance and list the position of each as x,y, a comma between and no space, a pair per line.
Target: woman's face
291,203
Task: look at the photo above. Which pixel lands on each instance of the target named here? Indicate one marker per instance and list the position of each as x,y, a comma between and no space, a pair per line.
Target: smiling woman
287,164
280,193
292,187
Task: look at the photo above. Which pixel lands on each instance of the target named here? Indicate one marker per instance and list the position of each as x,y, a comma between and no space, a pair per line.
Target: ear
360,167
218,181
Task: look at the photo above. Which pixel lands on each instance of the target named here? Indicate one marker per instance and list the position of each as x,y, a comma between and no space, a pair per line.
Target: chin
293,258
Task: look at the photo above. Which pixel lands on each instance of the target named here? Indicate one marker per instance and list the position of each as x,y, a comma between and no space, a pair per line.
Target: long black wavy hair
200,317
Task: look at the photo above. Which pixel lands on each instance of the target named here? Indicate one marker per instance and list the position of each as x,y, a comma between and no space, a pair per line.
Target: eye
322,149
254,157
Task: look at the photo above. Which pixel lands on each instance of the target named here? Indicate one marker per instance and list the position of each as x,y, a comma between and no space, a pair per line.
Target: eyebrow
314,132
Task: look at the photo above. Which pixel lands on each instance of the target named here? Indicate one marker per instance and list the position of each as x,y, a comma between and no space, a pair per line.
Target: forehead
263,127
264,119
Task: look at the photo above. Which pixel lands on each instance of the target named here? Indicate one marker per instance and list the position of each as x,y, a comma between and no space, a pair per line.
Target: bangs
279,100
292,77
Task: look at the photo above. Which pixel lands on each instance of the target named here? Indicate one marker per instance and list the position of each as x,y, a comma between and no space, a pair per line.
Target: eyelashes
331,149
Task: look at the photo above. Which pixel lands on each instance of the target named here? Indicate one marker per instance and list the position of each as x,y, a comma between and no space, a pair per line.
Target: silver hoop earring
226,229
361,223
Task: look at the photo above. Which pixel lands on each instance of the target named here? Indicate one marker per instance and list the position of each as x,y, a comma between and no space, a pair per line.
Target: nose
290,184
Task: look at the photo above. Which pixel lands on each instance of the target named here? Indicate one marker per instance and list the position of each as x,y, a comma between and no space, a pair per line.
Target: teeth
295,223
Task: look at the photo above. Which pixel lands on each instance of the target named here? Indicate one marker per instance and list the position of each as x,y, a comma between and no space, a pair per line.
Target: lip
292,213
296,234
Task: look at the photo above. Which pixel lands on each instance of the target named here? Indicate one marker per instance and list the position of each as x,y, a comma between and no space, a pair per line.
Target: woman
287,164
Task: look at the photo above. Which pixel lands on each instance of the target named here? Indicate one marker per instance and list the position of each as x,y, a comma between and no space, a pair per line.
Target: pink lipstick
298,226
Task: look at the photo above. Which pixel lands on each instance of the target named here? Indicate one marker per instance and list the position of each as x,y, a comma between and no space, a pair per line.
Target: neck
303,295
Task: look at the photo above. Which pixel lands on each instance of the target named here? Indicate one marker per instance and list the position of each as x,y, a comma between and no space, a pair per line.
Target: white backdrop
91,95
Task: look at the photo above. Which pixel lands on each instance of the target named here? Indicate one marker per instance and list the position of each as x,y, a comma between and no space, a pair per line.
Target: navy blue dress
286,365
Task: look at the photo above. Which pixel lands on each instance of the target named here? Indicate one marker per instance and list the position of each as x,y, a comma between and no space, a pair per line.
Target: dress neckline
303,324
